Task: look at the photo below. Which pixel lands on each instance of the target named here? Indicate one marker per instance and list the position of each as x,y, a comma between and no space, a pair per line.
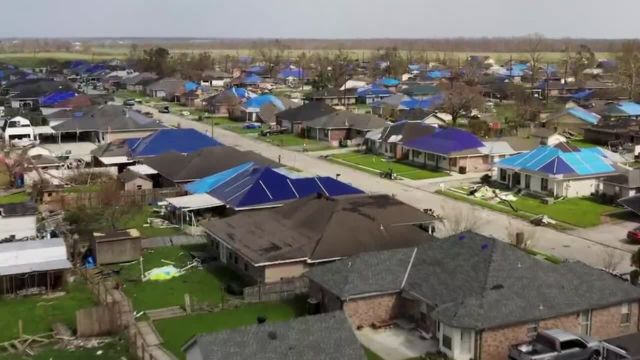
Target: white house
18,128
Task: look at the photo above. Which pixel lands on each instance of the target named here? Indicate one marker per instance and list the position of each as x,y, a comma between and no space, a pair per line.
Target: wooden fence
60,200
285,289
98,321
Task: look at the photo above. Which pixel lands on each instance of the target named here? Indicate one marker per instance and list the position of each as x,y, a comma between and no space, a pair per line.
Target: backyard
115,350
177,331
203,285
38,313
138,219
375,164
579,212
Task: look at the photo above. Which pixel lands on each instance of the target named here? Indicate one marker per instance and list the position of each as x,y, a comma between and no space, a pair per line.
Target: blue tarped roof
256,69
190,85
291,72
582,95
260,186
211,182
77,63
445,141
55,97
387,81
438,74
184,141
374,90
414,67
512,71
251,79
629,107
95,68
584,115
241,93
557,161
426,103
254,104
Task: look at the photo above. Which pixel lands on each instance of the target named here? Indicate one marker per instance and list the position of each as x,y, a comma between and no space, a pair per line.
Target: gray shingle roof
347,119
320,337
107,118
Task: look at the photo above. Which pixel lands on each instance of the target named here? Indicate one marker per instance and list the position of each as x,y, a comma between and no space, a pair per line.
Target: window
503,175
246,267
544,184
139,187
625,314
572,344
585,322
235,259
446,341
527,181
431,157
532,329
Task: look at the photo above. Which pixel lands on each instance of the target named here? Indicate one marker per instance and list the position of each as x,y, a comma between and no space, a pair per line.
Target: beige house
476,295
133,181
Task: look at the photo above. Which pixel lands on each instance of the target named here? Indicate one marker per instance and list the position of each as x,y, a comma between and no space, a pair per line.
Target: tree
534,50
629,67
584,59
460,99
156,60
272,55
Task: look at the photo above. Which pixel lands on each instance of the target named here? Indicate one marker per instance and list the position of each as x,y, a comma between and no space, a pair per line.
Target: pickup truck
557,345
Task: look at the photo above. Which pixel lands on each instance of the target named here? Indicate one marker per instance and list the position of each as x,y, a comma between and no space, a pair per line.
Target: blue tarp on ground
55,97
261,186
445,141
211,182
556,161
584,115
184,141
254,104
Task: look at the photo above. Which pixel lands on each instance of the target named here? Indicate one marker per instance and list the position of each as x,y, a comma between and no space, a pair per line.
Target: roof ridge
319,239
490,265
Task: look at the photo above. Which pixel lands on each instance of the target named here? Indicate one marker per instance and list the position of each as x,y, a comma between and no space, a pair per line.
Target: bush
485,179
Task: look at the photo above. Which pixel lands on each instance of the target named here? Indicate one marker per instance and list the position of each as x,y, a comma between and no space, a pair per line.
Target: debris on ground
167,272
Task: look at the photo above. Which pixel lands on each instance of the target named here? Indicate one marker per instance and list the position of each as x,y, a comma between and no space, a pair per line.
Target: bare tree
611,259
535,45
629,67
460,99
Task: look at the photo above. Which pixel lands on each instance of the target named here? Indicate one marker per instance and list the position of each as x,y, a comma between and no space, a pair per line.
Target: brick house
476,295
389,140
342,126
295,118
280,243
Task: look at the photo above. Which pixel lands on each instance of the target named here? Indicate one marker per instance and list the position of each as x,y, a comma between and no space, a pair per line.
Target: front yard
38,313
375,164
296,142
177,331
579,212
204,285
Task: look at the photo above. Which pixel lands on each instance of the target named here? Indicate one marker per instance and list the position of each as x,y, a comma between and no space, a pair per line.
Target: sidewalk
486,222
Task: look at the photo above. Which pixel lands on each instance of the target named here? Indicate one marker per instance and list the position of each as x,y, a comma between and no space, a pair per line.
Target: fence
282,290
97,321
60,200
147,343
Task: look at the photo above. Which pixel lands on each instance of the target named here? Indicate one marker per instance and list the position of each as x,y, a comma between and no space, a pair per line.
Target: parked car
129,102
270,132
148,114
164,110
557,345
634,235
252,125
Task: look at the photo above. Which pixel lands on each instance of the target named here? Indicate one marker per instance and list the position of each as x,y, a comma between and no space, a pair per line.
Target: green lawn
580,212
177,331
38,313
203,285
581,143
505,111
139,218
116,350
14,198
376,164
371,355
294,141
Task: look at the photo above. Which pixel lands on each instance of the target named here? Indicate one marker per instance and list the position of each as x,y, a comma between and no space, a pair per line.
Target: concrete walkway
461,214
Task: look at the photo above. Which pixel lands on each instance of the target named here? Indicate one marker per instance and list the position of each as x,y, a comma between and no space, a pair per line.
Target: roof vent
272,335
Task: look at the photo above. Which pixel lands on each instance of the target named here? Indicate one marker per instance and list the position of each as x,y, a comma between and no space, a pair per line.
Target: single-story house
177,168
116,246
261,108
131,181
476,295
617,132
342,127
319,337
224,102
33,266
334,96
574,119
559,170
274,244
18,220
139,82
183,141
214,78
370,94
169,89
389,140
622,109
295,118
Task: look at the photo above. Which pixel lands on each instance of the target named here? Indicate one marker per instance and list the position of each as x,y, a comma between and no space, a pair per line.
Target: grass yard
294,141
371,355
116,350
580,212
38,313
139,219
581,143
505,111
376,164
203,285
14,198
177,331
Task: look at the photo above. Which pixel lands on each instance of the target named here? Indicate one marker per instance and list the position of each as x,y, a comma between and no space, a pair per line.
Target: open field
376,164
177,331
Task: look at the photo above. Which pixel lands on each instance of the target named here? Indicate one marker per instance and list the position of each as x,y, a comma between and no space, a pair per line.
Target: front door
515,179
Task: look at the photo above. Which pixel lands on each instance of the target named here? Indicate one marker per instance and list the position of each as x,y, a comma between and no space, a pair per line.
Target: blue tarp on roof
211,182
184,141
438,74
582,95
257,69
387,81
426,103
374,90
78,63
445,141
584,115
55,97
131,142
95,68
254,104
511,72
241,92
414,67
260,186
629,107
252,79
291,73
190,85
554,161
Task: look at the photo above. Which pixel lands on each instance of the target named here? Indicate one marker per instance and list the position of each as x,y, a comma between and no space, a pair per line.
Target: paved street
590,249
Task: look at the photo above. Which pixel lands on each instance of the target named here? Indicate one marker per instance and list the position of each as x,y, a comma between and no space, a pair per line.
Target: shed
131,181
117,246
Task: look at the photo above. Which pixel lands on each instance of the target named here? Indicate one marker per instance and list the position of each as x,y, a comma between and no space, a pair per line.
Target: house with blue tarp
370,94
561,170
388,82
254,187
56,97
261,108
183,141
574,119
622,109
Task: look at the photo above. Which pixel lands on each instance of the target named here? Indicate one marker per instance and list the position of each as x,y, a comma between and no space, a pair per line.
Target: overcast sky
319,18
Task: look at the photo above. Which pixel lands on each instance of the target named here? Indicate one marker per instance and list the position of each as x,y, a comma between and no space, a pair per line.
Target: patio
396,343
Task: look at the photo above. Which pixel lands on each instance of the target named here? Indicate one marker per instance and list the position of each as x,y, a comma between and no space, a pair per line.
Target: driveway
460,214
396,343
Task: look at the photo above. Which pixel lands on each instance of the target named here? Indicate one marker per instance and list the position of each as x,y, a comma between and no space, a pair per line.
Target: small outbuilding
132,181
117,246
